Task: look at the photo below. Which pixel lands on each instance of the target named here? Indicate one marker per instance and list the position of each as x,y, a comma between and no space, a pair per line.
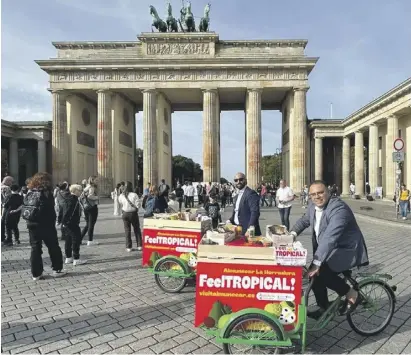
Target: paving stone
100,304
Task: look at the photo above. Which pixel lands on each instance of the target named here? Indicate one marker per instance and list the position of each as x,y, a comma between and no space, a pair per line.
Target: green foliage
272,168
186,169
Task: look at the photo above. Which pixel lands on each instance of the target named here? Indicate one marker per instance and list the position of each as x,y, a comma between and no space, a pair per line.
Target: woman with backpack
130,204
89,202
38,210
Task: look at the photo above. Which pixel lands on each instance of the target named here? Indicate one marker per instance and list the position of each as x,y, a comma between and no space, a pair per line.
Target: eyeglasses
240,179
316,194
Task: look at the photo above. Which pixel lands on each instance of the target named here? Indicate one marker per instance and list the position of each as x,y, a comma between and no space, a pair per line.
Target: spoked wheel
173,282
374,314
252,327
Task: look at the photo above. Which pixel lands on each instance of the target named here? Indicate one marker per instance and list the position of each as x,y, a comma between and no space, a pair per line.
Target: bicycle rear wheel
373,314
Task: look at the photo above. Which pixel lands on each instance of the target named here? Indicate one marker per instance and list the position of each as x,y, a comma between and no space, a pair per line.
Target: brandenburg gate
97,88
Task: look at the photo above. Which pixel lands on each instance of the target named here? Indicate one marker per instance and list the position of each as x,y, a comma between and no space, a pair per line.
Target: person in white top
114,196
173,205
130,204
190,191
285,196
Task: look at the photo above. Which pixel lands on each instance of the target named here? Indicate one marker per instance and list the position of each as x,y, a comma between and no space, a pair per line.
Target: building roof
26,124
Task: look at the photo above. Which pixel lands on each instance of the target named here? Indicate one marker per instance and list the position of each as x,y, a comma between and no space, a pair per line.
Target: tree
186,169
272,168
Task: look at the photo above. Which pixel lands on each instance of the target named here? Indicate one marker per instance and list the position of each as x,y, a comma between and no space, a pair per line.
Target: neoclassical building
371,130
97,87
25,148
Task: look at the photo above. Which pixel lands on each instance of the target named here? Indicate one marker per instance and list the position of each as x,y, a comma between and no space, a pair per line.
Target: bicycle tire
387,320
160,284
247,317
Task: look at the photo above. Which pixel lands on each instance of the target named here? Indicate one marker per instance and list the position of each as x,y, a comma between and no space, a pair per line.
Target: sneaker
59,273
9,244
41,277
79,262
139,248
93,242
404,218
18,242
69,261
129,249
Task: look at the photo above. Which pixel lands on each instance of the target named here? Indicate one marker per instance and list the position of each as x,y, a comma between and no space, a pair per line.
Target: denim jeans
285,216
403,208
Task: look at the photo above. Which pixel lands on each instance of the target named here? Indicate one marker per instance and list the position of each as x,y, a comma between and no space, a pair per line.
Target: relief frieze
178,48
180,75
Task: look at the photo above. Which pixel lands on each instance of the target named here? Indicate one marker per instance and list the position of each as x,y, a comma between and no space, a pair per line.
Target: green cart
255,331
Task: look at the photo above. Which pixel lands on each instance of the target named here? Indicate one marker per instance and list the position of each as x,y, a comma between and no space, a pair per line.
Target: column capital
258,90
318,137
60,92
374,124
149,91
213,90
392,116
102,91
304,88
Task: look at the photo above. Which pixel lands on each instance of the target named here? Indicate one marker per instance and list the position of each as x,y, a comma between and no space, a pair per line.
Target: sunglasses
240,179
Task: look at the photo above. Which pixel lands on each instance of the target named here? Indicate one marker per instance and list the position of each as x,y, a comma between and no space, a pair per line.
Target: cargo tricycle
251,305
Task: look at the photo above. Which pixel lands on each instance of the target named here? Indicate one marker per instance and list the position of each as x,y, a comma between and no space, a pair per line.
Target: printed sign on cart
163,242
223,289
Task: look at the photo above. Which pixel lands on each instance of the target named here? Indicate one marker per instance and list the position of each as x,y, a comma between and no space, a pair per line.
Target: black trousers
72,236
130,219
190,201
185,201
223,201
47,234
180,202
3,224
91,219
328,279
12,227
285,216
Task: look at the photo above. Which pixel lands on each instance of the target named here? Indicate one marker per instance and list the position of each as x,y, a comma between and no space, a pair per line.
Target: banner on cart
223,289
163,242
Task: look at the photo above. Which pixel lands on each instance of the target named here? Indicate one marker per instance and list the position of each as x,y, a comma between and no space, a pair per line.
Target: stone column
254,141
210,137
346,166
390,166
318,158
373,157
297,168
41,155
338,165
14,159
104,143
150,161
359,163
218,140
60,141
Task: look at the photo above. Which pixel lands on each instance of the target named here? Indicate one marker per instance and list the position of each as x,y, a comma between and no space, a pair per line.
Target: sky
364,49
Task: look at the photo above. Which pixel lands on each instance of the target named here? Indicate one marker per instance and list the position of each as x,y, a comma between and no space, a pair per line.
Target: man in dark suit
246,206
338,245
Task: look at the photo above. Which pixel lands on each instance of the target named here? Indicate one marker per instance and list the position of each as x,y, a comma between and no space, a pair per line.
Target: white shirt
174,205
125,205
283,194
190,190
237,205
318,214
184,187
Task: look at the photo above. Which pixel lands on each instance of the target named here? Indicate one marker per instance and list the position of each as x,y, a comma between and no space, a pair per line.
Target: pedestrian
179,193
69,218
114,196
5,193
12,208
285,196
130,204
62,192
404,200
39,213
213,210
89,201
155,203
173,204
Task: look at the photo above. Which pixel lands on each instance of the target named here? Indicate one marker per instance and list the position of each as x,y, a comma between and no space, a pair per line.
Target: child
213,210
12,209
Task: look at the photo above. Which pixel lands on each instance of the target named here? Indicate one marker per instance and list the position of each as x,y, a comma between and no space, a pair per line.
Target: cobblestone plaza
112,304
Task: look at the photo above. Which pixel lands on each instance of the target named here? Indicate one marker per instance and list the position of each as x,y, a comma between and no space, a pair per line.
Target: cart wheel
169,283
253,327
374,314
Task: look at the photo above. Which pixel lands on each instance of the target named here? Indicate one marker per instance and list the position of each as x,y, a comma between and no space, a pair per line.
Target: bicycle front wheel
375,312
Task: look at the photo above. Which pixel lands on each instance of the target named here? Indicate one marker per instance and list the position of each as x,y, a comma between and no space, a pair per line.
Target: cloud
361,55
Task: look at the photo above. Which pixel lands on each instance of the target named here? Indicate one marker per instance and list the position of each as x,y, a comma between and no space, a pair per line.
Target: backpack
31,206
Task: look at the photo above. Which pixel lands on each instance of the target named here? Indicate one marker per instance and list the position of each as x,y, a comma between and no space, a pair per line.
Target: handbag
85,203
